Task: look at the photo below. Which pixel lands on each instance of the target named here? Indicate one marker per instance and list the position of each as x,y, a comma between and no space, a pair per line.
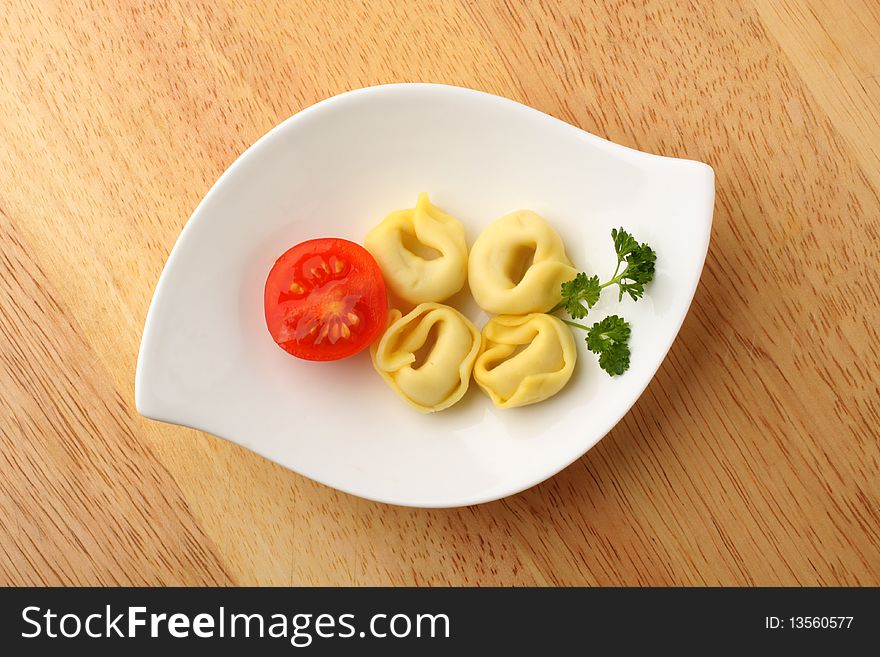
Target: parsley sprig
582,292
609,338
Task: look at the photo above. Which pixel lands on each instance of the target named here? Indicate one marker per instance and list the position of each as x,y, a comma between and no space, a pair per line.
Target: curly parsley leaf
579,291
610,339
624,243
640,260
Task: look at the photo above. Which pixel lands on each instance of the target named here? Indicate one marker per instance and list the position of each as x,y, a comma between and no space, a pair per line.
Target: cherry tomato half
325,300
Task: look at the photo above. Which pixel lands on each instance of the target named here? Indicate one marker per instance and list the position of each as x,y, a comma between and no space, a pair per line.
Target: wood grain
752,458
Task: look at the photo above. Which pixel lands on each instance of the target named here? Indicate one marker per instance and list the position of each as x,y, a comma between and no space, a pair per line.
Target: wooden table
752,458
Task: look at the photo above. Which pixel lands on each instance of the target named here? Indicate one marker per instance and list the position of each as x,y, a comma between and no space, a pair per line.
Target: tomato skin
325,299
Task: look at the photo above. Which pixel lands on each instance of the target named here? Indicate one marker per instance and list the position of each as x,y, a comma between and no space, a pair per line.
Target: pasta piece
427,356
524,360
518,265
421,251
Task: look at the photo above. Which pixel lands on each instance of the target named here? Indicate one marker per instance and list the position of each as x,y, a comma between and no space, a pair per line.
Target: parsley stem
575,324
616,269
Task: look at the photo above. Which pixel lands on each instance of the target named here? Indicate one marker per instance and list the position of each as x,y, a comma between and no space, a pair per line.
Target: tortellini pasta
422,252
427,356
518,265
524,360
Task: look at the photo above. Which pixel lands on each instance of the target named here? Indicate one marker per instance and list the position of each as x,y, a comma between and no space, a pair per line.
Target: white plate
335,170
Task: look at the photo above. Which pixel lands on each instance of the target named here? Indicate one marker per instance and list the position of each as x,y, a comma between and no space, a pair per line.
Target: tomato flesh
325,299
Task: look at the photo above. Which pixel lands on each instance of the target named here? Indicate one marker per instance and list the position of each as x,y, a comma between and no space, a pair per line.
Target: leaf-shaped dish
336,169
